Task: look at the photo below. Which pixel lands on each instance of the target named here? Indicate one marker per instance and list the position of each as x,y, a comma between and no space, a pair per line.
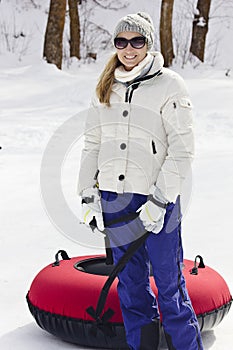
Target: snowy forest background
23,24
37,98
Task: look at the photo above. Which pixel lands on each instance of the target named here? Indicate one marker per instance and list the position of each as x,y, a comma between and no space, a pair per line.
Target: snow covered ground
36,99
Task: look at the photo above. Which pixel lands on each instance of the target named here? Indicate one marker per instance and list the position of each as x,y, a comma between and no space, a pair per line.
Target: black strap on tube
96,313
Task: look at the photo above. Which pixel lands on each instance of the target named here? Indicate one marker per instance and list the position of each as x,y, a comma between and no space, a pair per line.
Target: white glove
153,211
91,207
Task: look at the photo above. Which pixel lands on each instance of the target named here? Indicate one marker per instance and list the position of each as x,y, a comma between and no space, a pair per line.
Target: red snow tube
62,292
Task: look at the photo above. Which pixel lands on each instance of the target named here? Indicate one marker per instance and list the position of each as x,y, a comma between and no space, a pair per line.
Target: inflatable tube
62,292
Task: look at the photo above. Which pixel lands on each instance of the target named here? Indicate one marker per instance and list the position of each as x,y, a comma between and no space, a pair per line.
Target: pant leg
138,303
166,255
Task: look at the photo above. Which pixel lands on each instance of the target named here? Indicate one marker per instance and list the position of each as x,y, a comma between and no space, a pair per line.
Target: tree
95,37
74,29
54,32
200,29
166,31
84,36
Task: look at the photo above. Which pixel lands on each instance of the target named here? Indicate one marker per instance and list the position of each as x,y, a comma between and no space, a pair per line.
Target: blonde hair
106,80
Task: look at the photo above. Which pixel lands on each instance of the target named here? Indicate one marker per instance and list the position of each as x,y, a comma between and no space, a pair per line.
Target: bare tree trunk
54,32
166,32
200,29
74,29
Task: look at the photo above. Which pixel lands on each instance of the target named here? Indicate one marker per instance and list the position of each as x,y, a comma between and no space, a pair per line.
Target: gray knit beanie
139,22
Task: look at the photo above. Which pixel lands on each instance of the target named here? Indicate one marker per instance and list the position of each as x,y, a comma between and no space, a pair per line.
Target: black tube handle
64,256
201,265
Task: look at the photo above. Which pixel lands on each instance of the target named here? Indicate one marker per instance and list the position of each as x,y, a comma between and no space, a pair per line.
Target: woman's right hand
91,208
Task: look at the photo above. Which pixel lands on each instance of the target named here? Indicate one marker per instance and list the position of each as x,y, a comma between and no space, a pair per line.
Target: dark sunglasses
137,42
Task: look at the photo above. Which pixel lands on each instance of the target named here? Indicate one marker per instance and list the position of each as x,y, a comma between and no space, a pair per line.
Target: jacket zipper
129,91
130,88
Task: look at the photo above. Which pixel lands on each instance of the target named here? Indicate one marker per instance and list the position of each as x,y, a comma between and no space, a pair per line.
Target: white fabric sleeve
178,123
90,152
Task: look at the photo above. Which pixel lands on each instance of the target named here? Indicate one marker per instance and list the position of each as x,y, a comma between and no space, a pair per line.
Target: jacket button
123,146
121,177
125,113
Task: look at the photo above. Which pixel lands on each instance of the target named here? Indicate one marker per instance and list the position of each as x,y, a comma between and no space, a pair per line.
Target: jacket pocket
153,146
185,102
183,112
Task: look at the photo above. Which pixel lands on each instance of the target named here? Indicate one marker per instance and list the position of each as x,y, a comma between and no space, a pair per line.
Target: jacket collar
123,76
154,70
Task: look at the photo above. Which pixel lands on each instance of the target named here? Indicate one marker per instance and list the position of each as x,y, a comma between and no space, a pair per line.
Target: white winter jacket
145,137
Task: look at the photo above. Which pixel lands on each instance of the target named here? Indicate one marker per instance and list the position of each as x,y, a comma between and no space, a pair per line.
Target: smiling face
129,56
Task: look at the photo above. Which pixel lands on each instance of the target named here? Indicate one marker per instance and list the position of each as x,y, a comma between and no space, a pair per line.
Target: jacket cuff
157,202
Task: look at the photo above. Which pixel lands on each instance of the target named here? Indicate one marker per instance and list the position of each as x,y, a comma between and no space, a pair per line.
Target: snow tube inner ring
94,266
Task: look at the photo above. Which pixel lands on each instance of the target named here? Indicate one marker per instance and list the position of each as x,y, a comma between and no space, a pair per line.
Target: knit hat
139,22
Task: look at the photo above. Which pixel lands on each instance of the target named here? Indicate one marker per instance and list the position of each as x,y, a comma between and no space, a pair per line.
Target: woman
138,150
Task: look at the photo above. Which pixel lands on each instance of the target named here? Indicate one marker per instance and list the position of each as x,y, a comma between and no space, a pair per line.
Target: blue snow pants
165,254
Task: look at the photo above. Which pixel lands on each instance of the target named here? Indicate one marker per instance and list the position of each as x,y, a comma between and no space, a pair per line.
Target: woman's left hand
152,216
